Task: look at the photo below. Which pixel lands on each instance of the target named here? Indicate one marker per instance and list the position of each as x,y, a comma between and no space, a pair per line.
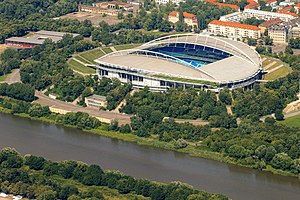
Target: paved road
47,101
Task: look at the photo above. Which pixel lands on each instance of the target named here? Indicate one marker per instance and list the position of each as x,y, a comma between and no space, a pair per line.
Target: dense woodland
252,143
37,178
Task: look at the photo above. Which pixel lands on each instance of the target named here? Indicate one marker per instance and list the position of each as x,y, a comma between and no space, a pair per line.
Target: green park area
277,68
76,66
292,121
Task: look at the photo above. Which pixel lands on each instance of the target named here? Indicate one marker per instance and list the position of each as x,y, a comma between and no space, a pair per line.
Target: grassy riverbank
192,150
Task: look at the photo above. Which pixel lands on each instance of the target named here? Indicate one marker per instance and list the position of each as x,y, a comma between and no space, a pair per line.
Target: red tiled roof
271,22
297,5
269,1
224,4
185,14
235,25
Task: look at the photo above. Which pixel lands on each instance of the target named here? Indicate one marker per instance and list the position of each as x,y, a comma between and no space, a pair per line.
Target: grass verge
73,64
279,73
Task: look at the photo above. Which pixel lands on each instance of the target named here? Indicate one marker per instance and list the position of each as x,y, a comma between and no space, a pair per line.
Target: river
60,143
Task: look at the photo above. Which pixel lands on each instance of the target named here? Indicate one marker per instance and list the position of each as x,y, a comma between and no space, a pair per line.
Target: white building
233,29
167,1
259,14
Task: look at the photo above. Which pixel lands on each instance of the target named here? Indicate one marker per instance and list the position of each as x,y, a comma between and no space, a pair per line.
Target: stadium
185,60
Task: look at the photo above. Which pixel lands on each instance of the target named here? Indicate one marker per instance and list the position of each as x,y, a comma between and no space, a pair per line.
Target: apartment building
279,34
259,14
189,19
233,29
267,24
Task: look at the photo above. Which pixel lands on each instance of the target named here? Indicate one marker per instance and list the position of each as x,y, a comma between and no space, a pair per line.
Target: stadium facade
185,60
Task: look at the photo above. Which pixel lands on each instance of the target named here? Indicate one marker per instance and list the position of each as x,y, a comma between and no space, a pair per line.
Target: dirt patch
93,17
2,48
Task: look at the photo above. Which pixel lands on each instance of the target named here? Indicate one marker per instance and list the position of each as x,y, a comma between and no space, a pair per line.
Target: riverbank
195,151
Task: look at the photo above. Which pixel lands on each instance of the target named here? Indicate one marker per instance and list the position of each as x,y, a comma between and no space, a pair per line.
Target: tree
281,161
10,158
35,162
252,42
288,50
279,115
92,176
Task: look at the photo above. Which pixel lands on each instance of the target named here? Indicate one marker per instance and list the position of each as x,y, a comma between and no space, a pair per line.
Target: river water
60,143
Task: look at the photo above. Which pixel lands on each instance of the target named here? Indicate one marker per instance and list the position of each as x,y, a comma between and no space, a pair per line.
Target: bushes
18,91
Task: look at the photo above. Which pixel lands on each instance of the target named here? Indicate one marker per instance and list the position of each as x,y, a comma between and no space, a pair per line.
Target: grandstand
185,60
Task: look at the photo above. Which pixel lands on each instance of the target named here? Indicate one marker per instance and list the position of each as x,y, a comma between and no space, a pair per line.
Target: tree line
35,177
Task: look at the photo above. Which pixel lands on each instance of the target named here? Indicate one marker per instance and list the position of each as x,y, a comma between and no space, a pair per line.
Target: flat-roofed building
188,18
114,5
36,39
279,34
266,15
233,29
96,101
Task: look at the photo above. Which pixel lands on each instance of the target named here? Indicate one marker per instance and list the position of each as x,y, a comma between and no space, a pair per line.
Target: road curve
47,101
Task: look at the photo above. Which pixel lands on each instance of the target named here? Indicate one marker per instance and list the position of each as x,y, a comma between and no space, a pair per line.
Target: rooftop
185,14
244,63
97,97
235,25
40,36
224,4
270,23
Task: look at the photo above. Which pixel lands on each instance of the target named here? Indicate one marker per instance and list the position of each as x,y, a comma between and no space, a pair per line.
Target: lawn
281,72
81,68
3,77
92,55
292,121
107,50
126,46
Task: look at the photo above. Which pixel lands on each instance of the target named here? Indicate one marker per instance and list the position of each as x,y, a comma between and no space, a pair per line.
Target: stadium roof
235,25
244,63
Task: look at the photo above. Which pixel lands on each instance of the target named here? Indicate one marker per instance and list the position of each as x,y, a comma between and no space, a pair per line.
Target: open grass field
92,55
281,72
292,121
73,64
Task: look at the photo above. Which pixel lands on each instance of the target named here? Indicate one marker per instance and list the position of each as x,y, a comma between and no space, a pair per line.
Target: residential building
266,15
259,14
233,29
177,2
295,32
297,8
267,24
36,39
96,101
279,34
271,3
189,19
235,7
